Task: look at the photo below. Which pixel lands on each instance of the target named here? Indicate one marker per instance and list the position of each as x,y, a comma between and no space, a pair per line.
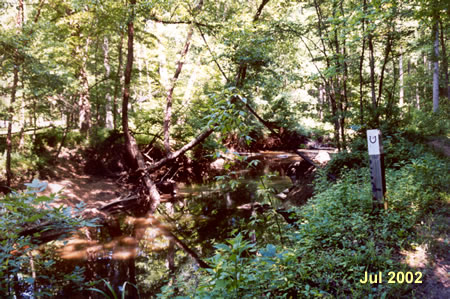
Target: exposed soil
74,186
433,260
441,145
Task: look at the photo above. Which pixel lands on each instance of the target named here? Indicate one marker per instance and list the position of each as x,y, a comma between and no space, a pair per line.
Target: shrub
22,212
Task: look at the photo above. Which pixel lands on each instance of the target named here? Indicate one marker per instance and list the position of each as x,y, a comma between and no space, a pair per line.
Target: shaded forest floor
432,257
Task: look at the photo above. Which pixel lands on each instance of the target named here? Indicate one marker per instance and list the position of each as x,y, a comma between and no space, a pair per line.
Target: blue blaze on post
377,171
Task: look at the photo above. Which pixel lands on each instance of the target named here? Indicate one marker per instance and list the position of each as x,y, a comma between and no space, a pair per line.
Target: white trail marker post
377,171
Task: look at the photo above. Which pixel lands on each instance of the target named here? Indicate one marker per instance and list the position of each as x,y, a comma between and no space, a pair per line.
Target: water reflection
194,219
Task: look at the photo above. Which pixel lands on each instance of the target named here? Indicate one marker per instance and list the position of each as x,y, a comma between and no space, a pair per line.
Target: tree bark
84,121
168,110
152,198
10,122
242,69
169,98
344,98
372,73
321,101
387,51
118,82
444,60
16,66
361,64
417,97
109,120
400,65
173,155
436,67
260,9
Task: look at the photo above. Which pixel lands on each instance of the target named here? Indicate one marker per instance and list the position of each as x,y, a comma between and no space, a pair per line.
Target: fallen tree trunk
311,162
174,155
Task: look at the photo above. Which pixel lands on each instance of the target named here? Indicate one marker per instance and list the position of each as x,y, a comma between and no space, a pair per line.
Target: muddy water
142,251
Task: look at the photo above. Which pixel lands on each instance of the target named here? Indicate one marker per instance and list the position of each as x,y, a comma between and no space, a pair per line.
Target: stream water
143,251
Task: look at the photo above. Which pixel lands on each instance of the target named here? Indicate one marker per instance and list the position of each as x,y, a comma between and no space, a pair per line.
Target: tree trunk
10,122
332,99
372,77
16,66
383,69
134,155
84,102
321,101
118,82
436,68
109,120
344,99
417,97
400,65
22,118
242,69
361,64
162,61
168,110
172,156
444,61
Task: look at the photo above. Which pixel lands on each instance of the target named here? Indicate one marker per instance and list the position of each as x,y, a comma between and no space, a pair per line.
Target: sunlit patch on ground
416,258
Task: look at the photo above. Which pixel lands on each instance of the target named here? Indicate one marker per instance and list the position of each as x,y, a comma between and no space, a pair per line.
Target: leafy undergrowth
27,221
337,239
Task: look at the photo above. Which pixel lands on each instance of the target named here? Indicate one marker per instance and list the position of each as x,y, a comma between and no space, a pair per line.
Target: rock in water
322,157
218,164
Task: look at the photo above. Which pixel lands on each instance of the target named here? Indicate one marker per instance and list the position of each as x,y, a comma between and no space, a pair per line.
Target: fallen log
172,156
307,159
304,157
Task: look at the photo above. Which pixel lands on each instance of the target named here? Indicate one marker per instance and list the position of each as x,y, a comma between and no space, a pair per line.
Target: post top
373,132
374,142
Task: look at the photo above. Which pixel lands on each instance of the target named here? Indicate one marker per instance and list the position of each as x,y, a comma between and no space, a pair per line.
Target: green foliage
335,241
22,211
226,112
99,136
114,295
423,124
73,139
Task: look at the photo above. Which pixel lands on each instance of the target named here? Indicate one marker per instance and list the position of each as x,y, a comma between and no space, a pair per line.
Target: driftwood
120,205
